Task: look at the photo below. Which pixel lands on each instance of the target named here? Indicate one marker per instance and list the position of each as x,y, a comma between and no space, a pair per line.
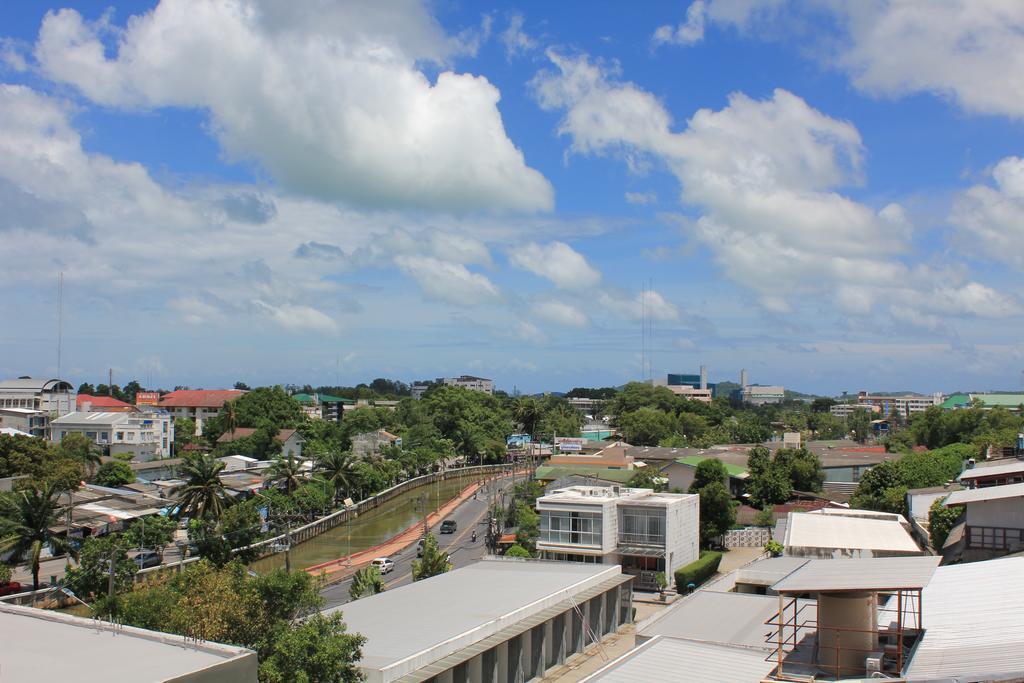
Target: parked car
12,587
448,526
384,564
146,558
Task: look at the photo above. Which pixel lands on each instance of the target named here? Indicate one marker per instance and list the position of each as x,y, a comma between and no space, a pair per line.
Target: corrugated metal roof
987,493
973,625
811,530
878,573
993,470
768,571
684,661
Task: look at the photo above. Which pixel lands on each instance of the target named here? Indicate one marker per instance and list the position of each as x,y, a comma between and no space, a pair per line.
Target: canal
370,528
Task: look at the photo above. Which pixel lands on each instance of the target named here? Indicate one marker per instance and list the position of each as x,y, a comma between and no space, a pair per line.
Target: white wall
682,533
1007,512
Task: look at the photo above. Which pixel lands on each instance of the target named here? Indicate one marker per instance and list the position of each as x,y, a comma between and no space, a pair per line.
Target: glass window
641,526
570,528
120,436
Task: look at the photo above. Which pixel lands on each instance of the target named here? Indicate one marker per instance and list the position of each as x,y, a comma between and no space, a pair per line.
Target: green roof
1004,400
550,473
694,460
324,398
956,401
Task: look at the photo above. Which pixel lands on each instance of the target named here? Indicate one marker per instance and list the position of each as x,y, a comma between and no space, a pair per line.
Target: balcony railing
642,539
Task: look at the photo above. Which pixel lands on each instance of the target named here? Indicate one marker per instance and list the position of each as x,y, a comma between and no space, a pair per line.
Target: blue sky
828,194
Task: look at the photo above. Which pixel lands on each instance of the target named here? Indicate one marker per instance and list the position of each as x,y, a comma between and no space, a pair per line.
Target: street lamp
349,508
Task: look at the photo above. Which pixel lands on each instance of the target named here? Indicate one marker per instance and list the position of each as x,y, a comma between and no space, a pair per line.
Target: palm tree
203,494
25,520
230,418
527,412
286,470
366,581
339,468
81,448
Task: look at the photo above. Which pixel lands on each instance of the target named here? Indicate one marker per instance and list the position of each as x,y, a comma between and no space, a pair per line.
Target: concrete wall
1006,512
682,533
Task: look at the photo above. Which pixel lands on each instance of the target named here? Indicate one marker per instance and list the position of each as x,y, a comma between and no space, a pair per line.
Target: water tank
847,631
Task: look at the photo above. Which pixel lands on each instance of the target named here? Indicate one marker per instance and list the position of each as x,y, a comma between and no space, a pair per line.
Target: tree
203,494
433,562
529,527
366,581
517,550
646,426
941,520
86,388
647,478
114,473
184,433
770,488
759,459
339,468
764,518
229,418
26,517
317,650
155,531
822,405
240,526
859,422
527,413
79,447
717,514
287,471
242,386
92,575
708,471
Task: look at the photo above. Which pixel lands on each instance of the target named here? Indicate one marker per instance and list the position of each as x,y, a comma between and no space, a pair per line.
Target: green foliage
773,477
338,468
699,571
184,433
317,650
940,520
764,518
154,531
476,423
5,573
773,548
884,486
517,550
859,423
660,579
717,513
529,527
366,581
646,426
313,498
707,472
43,462
433,562
240,527
114,473
770,488
92,575
647,478
203,494
286,471
26,517
265,407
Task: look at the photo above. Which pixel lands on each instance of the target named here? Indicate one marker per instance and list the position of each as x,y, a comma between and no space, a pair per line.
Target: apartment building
644,531
26,420
145,435
197,405
54,397
904,405
845,410
469,382
758,395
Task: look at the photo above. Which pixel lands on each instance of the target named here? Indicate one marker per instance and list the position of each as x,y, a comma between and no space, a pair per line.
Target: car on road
448,526
12,587
146,558
384,564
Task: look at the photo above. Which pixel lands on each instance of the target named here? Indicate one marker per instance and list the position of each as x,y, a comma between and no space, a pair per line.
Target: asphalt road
471,515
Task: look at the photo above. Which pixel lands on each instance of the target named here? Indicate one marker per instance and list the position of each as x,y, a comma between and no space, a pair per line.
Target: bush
698,572
764,518
941,520
517,551
115,473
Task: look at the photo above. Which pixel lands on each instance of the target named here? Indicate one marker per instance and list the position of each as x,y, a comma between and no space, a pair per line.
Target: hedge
698,572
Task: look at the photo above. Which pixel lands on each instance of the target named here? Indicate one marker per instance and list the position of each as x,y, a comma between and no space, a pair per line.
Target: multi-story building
644,531
55,397
845,410
197,405
323,406
26,420
417,389
758,395
146,435
686,391
903,405
469,382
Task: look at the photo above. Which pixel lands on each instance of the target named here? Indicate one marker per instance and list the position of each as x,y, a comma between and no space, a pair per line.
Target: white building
498,620
54,397
840,533
469,382
845,410
146,435
644,531
27,420
903,405
760,395
993,517
686,391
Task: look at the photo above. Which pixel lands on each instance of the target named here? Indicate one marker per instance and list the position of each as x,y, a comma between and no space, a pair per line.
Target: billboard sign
569,444
147,398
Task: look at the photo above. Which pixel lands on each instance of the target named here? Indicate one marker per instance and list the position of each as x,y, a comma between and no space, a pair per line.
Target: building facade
55,397
27,420
146,435
643,531
758,395
903,405
469,382
197,405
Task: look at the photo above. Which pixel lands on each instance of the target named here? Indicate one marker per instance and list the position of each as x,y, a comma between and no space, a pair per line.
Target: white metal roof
767,571
806,530
11,431
99,418
983,494
1011,467
860,574
685,661
974,630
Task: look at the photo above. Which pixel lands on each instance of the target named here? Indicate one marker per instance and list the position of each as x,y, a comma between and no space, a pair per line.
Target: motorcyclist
474,535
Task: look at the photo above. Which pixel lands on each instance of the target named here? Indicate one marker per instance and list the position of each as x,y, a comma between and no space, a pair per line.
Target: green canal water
369,528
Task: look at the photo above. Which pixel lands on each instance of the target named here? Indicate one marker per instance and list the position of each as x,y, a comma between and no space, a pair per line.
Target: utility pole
288,547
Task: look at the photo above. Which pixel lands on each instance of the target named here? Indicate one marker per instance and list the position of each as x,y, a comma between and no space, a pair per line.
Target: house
644,531
681,472
843,533
197,405
106,404
614,456
469,382
992,473
290,439
26,420
371,442
493,620
993,521
145,435
55,397
904,405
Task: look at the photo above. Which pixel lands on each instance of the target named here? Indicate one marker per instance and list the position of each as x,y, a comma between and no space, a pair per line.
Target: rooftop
402,627
724,618
41,645
624,494
199,398
31,384
98,418
849,532
551,472
860,574
984,494
102,402
995,469
683,661
837,453
243,432
733,470
769,571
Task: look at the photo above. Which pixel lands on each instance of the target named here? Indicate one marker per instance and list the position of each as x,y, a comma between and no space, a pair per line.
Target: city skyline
271,194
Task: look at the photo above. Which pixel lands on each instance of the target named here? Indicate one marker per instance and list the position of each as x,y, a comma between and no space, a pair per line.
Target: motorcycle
474,536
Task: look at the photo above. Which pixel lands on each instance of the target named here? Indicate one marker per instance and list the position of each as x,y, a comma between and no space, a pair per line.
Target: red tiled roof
102,402
201,398
242,432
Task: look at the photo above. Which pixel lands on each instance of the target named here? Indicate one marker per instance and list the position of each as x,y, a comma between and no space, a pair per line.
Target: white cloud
557,262
560,313
689,32
300,318
449,282
525,331
329,100
641,197
516,41
648,302
991,217
460,248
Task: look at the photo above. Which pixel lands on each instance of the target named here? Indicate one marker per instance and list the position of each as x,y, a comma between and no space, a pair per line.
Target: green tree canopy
203,493
707,472
114,473
434,560
366,581
26,517
717,513
646,426
941,520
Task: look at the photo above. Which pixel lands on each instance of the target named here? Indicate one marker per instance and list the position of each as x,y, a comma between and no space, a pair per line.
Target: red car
11,588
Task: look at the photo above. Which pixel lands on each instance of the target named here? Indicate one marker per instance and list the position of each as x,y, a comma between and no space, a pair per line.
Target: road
471,515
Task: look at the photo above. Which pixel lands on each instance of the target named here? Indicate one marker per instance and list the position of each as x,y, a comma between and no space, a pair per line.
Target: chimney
703,377
743,379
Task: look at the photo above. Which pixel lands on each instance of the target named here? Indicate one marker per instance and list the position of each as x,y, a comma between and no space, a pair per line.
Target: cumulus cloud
991,216
557,262
298,317
329,100
560,313
450,282
648,302
689,32
765,175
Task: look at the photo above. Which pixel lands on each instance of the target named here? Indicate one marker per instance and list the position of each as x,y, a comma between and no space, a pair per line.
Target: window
641,526
90,435
570,528
120,436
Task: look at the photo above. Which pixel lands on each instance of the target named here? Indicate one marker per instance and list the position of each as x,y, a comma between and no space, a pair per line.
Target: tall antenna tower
643,332
60,319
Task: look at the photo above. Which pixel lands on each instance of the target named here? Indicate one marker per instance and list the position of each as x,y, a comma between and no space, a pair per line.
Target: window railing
642,539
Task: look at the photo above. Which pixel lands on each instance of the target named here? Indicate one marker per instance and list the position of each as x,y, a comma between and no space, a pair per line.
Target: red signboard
147,398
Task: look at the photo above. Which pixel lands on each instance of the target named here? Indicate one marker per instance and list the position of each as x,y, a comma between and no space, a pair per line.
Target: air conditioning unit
873,663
